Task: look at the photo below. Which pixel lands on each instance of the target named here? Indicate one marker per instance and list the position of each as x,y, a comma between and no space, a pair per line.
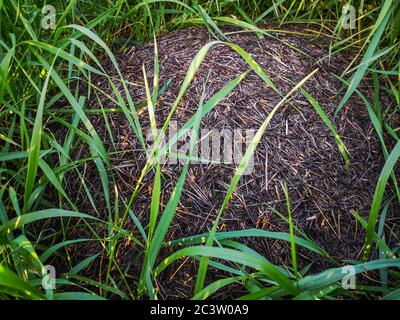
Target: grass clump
47,86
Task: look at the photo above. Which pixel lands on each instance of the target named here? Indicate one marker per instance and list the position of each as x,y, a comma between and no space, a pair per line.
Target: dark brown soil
297,148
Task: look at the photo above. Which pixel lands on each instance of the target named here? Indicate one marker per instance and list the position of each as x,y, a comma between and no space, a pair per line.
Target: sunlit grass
40,67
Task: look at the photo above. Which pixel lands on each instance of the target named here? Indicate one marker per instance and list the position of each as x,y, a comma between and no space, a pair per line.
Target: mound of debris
297,148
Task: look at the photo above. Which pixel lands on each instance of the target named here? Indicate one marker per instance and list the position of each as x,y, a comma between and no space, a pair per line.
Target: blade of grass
378,196
324,117
239,172
27,218
33,151
246,259
376,34
202,238
11,281
291,230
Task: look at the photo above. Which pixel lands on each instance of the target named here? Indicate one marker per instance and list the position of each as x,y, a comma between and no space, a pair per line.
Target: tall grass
39,67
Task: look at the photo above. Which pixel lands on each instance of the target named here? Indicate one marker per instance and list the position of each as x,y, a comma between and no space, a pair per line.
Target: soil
297,149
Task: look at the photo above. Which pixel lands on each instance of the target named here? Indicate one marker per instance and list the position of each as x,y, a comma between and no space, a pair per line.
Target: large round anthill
297,148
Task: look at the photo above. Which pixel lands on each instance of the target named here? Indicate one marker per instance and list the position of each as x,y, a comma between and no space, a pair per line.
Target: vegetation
39,67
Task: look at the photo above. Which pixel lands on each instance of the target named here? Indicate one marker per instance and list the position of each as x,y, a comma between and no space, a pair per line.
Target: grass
39,67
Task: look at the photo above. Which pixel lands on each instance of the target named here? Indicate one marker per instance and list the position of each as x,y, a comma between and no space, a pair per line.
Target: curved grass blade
34,148
9,280
291,230
214,287
325,119
27,218
50,251
377,32
244,162
202,238
77,296
394,295
378,196
246,259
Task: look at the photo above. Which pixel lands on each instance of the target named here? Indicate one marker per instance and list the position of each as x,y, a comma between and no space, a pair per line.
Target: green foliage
37,69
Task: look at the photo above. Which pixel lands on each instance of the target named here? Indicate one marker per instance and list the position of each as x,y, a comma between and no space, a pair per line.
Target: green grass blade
214,287
202,238
378,196
77,296
34,148
291,230
239,172
9,280
27,218
377,32
255,262
325,119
